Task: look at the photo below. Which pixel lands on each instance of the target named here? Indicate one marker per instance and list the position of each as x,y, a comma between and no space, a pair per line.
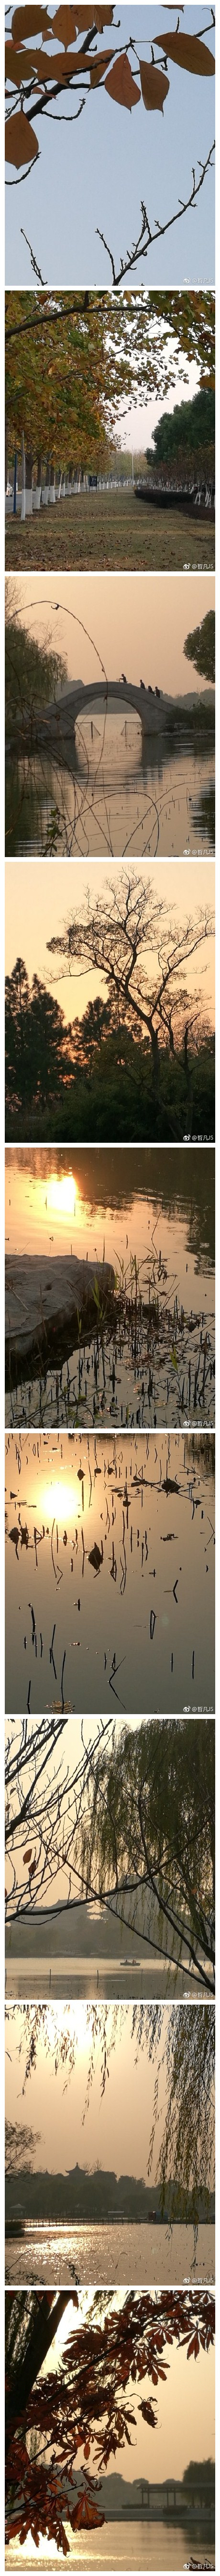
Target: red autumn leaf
20,142
154,85
121,85
188,52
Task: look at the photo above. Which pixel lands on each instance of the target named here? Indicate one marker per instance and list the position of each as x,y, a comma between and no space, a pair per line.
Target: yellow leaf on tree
188,52
154,85
121,85
29,22
20,142
65,26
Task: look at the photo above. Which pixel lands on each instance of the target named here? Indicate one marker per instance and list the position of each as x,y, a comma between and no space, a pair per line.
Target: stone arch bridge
53,727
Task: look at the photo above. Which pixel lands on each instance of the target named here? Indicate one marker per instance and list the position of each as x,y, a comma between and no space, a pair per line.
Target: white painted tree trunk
52,494
23,479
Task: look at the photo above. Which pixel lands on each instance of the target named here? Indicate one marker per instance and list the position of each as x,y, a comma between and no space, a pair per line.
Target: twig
37,271
141,247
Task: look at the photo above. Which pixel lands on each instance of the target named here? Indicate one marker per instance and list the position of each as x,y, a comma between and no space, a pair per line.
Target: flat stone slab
40,1293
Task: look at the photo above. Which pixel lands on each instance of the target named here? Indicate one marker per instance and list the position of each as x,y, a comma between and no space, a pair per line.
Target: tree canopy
88,2403
131,1824
147,1840
200,646
187,434
130,939
70,365
31,669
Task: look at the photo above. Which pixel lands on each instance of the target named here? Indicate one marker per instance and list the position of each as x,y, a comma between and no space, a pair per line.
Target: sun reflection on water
61,1499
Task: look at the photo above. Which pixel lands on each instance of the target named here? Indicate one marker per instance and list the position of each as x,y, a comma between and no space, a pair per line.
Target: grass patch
108,531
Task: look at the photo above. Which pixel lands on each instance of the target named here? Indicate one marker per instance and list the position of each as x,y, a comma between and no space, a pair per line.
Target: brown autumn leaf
103,18
121,85
29,22
27,1853
65,27
20,142
17,64
188,52
98,68
154,85
94,18
58,67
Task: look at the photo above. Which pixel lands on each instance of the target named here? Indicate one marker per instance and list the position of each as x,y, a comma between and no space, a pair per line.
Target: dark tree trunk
29,469
6,452
44,2328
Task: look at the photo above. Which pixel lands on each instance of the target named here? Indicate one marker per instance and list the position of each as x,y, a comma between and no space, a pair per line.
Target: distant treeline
100,2195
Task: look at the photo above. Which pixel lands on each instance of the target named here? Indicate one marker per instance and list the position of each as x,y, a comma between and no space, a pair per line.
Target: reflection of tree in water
167,1180
51,808
205,816
202,1452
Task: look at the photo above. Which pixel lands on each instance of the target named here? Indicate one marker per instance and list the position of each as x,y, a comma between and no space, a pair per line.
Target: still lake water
144,1204
118,2253
157,802
135,1518
123,2545
70,1978
172,1237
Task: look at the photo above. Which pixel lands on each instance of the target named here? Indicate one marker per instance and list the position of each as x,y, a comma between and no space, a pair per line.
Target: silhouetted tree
200,646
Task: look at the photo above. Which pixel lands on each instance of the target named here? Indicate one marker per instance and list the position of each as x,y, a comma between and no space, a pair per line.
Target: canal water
121,797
